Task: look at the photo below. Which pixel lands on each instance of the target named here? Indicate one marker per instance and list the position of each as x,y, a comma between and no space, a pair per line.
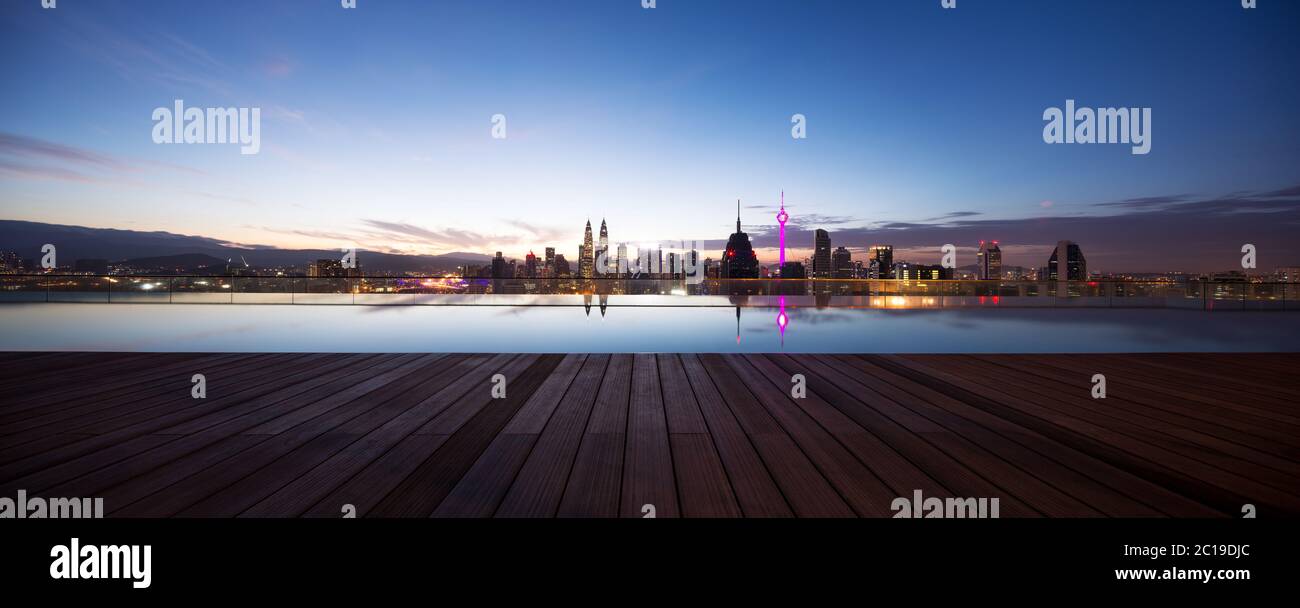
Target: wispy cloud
71,163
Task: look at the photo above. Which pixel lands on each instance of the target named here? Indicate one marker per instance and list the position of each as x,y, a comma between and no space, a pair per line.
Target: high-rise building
586,254
842,263
989,260
739,260
602,250
881,262
548,269
1073,268
821,259
621,265
530,266
499,268
562,269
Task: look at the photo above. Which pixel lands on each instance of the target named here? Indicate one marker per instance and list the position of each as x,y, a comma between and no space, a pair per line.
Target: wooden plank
484,486
379,478
381,429
1114,416
804,487
757,494
431,482
217,491
1241,424
538,488
856,484
1110,490
595,482
1222,491
133,443
1229,434
647,463
702,484
900,474
920,441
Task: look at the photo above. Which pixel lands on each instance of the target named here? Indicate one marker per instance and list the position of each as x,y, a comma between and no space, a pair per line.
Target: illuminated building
905,271
586,254
821,260
739,260
842,263
1076,267
989,261
530,266
881,262
602,250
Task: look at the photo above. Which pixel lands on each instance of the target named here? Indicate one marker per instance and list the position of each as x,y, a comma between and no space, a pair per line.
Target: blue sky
376,121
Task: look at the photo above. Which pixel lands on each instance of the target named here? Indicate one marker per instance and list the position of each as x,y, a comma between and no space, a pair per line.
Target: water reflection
738,325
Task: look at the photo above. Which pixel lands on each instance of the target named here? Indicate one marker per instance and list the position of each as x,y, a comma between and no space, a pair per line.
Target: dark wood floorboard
690,435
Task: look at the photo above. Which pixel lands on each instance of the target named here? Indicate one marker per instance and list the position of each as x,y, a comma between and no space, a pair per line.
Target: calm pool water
266,328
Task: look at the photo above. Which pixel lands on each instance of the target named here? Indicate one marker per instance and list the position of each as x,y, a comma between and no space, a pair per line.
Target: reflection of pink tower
781,218
782,320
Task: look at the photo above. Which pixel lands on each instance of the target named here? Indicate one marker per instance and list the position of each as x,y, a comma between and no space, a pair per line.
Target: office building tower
499,267
587,253
842,263
882,261
989,261
1067,263
821,259
602,251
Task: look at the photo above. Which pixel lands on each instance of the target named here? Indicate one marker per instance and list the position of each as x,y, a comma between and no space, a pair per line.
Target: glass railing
873,293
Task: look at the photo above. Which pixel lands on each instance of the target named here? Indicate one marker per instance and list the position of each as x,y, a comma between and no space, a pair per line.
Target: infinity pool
269,328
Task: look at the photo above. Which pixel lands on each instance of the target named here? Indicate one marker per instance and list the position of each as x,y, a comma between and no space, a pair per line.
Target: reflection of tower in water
781,319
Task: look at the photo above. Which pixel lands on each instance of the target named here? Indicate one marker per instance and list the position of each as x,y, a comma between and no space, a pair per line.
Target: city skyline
398,156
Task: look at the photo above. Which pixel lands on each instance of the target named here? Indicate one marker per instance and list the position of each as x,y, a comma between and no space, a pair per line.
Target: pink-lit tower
782,217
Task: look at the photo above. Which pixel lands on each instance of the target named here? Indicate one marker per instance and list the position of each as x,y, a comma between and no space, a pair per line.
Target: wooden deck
416,435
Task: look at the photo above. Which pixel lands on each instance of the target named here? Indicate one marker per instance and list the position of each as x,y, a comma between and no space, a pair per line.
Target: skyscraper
548,269
530,266
586,254
842,263
1075,266
882,261
602,250
739,260
499,268
621,265
989,260
821,260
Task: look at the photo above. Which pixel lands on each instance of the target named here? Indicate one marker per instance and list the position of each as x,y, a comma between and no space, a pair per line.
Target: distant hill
78,242
181,262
